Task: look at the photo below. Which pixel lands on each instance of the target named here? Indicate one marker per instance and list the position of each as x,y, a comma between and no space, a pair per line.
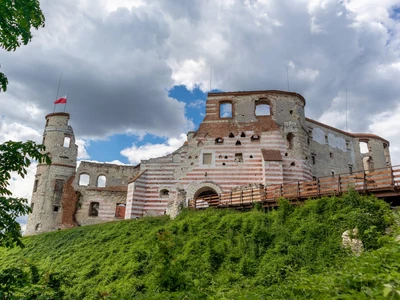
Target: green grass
288,253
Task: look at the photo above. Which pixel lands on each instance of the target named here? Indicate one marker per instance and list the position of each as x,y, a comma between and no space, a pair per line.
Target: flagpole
58,89
65,105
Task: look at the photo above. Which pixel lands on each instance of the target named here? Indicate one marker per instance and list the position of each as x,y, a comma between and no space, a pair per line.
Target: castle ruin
256,138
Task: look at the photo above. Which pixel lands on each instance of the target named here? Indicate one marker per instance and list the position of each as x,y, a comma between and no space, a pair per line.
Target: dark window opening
313,159
255,137
314,178
231,135
94,209
348,145
226,157
219,140
333,173
225,110
190,157
38,226
251,156
330,154
243,134
291,112
164,193
55,208
350,169
293,164
238,143
286,154
326,139
289,140
238,157
223,164
35,185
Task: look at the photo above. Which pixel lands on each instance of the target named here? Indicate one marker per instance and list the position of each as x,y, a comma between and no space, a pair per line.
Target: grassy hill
288,253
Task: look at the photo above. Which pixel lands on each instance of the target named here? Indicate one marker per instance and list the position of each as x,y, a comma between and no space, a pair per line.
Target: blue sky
109,150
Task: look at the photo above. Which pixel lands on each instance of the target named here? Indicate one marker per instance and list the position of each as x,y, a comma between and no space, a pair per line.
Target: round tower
59,139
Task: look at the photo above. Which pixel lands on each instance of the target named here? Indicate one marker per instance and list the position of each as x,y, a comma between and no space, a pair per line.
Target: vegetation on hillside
288,253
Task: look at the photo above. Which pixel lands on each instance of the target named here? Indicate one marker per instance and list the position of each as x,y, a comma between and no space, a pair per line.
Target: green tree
15,157
17,19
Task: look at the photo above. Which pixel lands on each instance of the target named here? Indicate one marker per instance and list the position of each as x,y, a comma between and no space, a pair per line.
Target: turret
59,139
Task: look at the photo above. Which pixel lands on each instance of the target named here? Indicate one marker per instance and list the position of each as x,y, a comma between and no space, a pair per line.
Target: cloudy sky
137,72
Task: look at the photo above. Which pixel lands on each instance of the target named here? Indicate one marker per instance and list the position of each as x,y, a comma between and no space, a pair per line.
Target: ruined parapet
175,206
46,203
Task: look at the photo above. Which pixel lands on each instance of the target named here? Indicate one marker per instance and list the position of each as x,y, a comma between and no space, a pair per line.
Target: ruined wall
102,191
333,150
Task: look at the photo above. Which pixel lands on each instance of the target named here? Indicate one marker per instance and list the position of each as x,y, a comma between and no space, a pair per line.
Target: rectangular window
67,141
330,154
238,157
35,185
350,169
207,158
313,159
58,185
94,209
348,145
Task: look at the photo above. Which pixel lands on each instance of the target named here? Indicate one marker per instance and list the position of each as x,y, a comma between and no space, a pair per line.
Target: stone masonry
255,138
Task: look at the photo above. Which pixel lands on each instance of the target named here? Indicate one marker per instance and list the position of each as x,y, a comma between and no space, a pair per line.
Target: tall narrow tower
59,139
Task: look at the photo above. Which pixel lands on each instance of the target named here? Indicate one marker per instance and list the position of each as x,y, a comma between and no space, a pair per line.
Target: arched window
101,181
238,143
231,135
255,137
164,193
84,179
262,109
225,110
289,140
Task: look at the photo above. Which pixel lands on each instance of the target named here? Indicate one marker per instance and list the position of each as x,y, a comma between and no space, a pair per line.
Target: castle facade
246,138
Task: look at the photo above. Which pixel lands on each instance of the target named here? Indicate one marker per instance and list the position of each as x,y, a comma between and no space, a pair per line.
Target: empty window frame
255,137
207,158
238,157
58,185
313,159
262,109
67,142
364,146
225,110
101,181
289,140
84,179
164,193
94,209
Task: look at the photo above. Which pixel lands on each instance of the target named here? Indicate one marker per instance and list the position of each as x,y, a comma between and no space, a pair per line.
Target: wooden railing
380,180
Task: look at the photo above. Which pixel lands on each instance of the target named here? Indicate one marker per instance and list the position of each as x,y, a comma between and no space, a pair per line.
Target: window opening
251,156
347,145
164,193
231,135
101,181
326,139
225,110
219,140
55,208
263,110
94,209
238,143
333,173
255,137
350,169
84,179
364,147
35,185
330,154
314,178
243,134
238,157
289,140
291,112
67,141
226,157
223,164
207,158
293,164
313,159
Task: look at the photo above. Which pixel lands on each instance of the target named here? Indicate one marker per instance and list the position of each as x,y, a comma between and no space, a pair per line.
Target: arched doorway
206,197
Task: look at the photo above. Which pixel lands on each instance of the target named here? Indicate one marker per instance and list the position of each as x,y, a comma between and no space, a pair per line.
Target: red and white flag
61,100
